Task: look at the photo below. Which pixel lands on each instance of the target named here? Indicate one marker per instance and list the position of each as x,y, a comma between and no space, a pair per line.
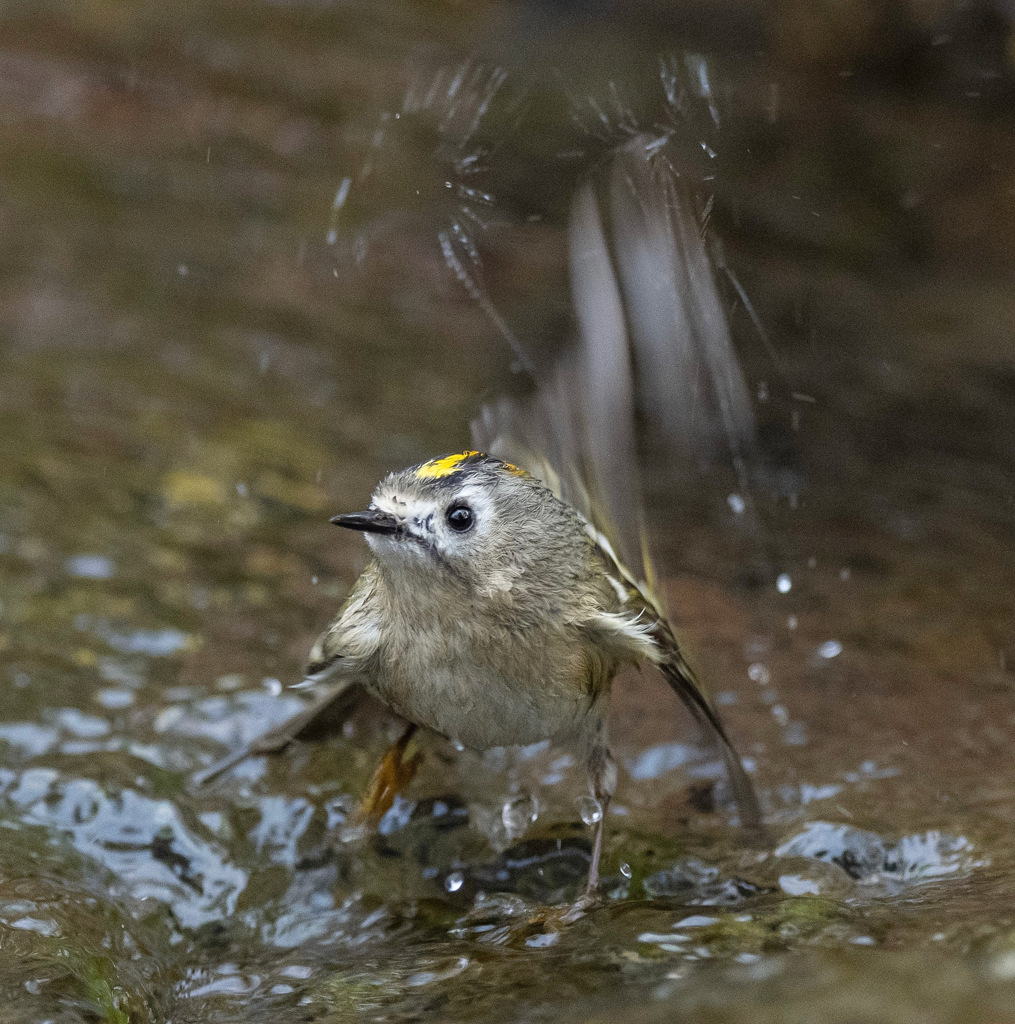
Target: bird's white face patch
412,515
424,527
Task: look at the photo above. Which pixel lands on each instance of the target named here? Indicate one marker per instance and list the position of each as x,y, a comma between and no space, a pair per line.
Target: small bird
494,614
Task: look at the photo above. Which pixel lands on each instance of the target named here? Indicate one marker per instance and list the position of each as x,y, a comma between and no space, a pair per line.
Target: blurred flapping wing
651,339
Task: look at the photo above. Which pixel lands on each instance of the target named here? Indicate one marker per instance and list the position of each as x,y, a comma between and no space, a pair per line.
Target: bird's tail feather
680,676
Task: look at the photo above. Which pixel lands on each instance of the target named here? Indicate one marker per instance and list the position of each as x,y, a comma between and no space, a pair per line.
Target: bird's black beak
371,521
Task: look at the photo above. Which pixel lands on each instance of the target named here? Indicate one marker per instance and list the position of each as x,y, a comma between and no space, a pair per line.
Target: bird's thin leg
391,776
603,776
597,849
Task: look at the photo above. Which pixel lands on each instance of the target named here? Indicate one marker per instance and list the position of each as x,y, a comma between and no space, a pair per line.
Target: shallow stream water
225,312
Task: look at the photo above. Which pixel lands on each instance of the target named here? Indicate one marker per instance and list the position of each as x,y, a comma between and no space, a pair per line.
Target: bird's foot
578,909
392,775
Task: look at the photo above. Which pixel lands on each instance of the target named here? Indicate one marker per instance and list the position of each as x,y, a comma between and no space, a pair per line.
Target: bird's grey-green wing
349,644
651,341
633,622
339,660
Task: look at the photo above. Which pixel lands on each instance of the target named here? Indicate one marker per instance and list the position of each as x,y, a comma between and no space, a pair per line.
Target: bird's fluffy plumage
491,637
508,633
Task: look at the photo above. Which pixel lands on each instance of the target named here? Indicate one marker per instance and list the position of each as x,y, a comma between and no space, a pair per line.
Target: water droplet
625,870
830,649
590,810
454,881
736,503
241,489
791,622
518,814
759,674
784,584
458,745
313,580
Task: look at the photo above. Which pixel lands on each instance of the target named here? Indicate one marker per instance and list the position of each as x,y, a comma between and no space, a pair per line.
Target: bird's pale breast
509,690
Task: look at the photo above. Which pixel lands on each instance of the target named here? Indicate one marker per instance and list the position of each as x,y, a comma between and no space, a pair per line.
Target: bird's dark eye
460,518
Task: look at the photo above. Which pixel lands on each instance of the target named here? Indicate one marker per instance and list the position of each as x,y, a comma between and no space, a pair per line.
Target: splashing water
881,865
450,182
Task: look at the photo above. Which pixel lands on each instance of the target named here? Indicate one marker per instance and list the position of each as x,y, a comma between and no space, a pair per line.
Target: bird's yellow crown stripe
449,464
436,468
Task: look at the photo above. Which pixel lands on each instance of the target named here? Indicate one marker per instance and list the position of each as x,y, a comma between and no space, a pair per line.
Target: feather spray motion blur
502,597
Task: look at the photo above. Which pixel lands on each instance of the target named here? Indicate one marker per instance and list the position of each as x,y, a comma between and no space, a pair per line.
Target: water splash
444,117
881,865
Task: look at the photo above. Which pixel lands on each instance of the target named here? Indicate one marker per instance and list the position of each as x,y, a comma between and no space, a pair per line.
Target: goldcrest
494,614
